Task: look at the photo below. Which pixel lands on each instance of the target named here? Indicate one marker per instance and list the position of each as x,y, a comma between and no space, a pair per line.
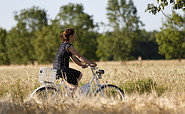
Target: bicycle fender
43,86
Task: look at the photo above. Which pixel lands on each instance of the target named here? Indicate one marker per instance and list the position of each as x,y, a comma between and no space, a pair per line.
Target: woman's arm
74,59
79,56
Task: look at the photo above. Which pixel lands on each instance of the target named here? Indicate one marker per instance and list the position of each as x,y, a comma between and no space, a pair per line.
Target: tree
3,51
73,15
126,25
104,49
20,40
171,39
47,43
147,46
176,4
18,45
34,18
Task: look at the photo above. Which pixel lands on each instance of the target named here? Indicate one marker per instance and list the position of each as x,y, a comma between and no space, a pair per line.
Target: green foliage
143,86
33,39
73,15
171,44
17,90
171,39
18,46
119,44
46,44
104,50
3,48
176,4
146,46
20,39
123,14
3,89
34,18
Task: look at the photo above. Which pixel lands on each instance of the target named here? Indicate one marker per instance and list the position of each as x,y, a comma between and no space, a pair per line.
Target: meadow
150,87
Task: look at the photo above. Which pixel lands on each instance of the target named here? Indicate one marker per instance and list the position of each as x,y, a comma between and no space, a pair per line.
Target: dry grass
17,82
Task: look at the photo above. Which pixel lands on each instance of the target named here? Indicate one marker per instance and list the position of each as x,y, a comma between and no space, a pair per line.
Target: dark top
61,61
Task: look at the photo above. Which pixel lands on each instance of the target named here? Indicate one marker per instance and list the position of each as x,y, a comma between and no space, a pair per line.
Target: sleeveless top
61,61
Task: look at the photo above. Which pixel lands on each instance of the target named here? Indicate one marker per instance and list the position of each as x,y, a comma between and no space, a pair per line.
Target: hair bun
65,35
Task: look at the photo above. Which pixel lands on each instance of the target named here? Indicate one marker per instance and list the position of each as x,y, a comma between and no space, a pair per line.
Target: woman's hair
65,35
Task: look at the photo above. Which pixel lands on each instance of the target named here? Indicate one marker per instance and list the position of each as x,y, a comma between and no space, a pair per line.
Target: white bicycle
52,88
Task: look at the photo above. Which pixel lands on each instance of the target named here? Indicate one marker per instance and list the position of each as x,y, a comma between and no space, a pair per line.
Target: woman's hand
84,66
93,64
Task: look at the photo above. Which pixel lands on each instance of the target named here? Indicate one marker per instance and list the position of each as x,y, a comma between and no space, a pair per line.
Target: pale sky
96,8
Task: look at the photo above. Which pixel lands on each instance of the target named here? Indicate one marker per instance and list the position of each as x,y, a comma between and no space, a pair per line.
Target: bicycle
50,88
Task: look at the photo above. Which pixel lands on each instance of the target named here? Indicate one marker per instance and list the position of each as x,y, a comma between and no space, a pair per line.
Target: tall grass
150,87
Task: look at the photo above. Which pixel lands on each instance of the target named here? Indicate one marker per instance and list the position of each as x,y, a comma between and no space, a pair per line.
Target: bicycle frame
89,87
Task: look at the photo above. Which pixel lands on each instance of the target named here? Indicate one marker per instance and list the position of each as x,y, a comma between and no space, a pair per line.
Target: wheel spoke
46,94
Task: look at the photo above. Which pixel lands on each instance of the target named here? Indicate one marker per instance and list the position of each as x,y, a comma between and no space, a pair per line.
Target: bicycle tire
45,94
110,94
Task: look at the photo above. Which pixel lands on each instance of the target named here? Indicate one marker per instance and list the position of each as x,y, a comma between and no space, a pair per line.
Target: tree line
35,38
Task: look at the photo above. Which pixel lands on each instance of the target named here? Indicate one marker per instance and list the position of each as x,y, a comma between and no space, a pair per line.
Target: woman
66,51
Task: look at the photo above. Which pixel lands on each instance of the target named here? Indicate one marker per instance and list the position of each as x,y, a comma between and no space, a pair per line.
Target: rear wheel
46,94
111,92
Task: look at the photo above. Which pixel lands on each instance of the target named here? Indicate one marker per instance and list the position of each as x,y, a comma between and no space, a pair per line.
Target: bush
3,89
143,86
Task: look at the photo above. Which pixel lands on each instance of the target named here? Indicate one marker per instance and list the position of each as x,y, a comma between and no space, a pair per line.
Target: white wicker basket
47,74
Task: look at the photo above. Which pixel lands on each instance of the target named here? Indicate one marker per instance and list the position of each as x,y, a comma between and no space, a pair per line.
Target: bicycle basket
47,74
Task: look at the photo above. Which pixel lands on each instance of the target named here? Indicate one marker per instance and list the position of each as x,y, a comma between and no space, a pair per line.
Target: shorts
70,75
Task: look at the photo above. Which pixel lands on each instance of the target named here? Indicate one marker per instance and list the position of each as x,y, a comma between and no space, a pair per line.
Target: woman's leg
73,77
79,78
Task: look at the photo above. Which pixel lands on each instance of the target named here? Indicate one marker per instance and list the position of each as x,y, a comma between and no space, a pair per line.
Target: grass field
150,86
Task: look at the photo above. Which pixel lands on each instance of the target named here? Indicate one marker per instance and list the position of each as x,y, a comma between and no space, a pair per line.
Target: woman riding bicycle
66,51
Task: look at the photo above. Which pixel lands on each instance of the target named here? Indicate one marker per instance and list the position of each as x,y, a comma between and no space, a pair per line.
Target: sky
95,8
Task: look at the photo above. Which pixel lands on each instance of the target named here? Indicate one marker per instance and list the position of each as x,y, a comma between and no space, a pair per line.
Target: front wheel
111,92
